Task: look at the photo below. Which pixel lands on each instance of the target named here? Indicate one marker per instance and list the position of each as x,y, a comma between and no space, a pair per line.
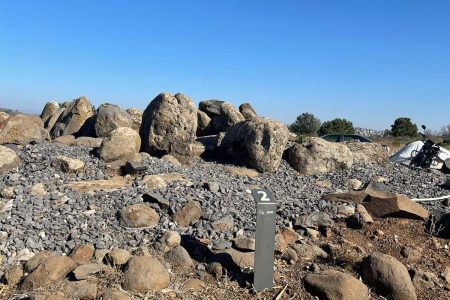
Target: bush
337,126
404,127
305,124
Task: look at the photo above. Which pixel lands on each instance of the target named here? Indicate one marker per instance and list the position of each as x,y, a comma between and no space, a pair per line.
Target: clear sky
369,61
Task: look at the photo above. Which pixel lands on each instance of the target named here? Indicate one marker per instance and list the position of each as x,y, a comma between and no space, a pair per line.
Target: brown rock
36,260
388,276
48,272
241,259
178,256
245,243
145,273
38,190
23,129
75,115
95,185
48,297
49,110
224,224
79,290
67,164
204,124
120,143
86,141
84,271
138,216
9,160
14,275
335,285
169,240
118,257
82,253
54,118
368,154
66,140
188,213
110,117
154,182
115,295
194,284
241,172
396,206
247,111
171,159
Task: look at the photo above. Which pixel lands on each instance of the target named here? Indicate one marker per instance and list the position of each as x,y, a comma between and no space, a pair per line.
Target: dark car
349,138
345,138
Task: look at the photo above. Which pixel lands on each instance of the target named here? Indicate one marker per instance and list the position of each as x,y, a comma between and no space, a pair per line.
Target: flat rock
245,243
118,257
67,164
154,182
241,259
95,185
241,172
82,253
84,271
79,290
115,295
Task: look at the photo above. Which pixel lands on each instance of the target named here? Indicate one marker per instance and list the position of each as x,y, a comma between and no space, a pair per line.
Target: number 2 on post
264,196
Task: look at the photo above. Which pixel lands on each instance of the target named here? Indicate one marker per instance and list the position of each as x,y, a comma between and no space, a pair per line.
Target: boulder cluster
110,203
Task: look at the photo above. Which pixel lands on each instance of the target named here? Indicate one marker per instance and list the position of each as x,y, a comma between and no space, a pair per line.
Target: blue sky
367,61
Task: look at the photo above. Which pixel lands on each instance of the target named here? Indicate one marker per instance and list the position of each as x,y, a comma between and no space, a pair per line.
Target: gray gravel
64,218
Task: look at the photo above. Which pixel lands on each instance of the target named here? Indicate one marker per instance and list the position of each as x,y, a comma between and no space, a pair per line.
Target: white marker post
266,210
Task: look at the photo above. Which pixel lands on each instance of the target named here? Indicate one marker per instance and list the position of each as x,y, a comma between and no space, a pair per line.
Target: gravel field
64,218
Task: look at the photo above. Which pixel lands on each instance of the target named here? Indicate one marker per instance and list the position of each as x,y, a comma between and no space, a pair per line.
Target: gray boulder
110,117
257,143
136,118
73,118
120,143
49,109
222,114
247,111
169,124
315,156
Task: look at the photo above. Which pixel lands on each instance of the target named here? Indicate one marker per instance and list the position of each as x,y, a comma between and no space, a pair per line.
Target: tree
337,126
306,124
404,127
445,131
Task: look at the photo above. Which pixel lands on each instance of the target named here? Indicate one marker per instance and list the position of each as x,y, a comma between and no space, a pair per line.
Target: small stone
325,184
14,275
179,257
84,271
169,240
7,193
67,164
290,255
171,159
245,243
314,220
138,216
145,273
115,295
422,279
154,182
354,184
79,290
118,257
36,260
215,269
38,190
213,187
194,284
82,253
360,218
224,224
312,233
187,214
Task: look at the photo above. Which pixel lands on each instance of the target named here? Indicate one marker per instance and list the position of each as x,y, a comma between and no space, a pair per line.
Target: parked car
337,138
345,138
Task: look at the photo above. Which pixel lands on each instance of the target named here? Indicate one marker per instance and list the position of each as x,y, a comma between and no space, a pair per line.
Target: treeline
307,124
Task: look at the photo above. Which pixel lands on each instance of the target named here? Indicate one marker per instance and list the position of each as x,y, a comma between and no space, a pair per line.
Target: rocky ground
44,213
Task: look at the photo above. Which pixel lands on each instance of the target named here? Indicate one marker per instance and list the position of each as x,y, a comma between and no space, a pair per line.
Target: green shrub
337,126
404,127
306,124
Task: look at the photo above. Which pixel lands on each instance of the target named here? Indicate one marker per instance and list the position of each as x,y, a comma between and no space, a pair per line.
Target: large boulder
369,154
8,159
49,110
222,114
135,117
246,109
335,285
203,124
110,117
50,123
22,129
145,273
257,143
73,118
120,143
388,276
315,156
169,125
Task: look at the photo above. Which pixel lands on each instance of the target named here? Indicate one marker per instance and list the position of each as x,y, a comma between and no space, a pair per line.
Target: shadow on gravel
202,253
